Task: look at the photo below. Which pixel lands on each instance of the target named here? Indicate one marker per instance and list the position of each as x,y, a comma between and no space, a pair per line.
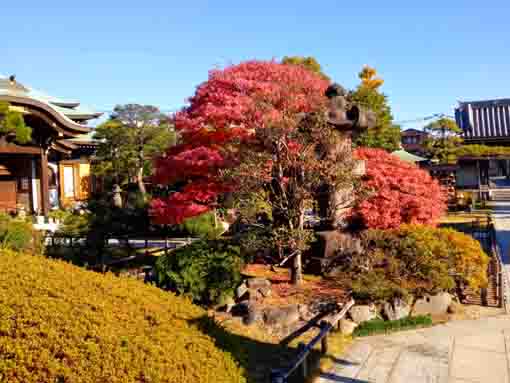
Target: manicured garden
260,171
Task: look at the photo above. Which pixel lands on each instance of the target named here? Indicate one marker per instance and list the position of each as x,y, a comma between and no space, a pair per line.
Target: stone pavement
456,352
501,217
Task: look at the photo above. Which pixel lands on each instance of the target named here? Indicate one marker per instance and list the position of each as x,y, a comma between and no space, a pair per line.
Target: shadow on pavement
336,378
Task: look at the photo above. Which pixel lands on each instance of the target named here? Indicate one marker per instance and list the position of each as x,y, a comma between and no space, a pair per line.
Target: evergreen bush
60,323
202,226
207,271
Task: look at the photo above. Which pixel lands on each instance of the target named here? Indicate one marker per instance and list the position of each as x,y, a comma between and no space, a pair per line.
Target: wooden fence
301,361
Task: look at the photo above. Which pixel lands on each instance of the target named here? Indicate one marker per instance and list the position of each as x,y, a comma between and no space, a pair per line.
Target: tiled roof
408,157
488,119
71,109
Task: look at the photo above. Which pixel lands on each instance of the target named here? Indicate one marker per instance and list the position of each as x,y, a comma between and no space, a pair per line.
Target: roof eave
72,127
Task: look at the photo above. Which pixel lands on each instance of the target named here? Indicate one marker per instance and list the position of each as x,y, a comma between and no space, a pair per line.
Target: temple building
413,141
53,170
484,123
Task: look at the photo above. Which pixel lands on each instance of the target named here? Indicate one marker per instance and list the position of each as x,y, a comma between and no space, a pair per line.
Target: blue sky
107,52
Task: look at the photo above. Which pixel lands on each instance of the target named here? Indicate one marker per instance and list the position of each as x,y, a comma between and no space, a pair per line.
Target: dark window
52,178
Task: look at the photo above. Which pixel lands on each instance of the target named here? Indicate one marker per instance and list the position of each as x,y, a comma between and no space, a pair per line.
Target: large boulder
397,309
281,316
347,326
258,283
363,313
255,314
241,290
433,304
330,243
330,251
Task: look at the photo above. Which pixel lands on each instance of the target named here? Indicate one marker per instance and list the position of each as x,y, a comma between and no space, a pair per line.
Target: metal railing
504,280
135,245
301,361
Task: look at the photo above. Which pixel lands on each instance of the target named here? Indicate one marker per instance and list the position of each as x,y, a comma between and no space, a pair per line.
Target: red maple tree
401,192
225,111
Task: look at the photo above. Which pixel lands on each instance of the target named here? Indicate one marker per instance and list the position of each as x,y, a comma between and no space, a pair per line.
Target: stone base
329,248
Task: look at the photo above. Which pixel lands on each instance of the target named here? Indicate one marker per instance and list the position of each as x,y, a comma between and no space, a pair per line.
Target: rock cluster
438,304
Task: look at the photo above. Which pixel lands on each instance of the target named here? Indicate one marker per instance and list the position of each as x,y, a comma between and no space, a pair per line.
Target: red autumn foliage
225,110
403,193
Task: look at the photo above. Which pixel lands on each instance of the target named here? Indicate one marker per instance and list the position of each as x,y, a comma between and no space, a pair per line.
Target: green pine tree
12,125
385,134
444,140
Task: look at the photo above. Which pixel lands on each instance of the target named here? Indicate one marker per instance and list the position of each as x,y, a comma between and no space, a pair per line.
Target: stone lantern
334,203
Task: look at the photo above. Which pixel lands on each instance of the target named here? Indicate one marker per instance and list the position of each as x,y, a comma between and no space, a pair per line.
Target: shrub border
380,326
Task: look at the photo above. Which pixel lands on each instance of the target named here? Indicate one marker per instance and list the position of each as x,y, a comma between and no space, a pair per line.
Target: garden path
501,219
455,352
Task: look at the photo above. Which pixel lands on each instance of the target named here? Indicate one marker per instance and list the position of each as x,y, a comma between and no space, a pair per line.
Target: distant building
409,157
413,141
484,123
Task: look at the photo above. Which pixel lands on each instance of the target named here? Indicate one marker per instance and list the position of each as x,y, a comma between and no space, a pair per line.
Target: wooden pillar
479,172
45,190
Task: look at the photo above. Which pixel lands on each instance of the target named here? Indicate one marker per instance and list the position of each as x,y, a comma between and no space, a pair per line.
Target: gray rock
241,290
347,326
266,291
258,283
456,308
305,312
433,304
255,314
397,309
281,316
229,304
254,295
363,313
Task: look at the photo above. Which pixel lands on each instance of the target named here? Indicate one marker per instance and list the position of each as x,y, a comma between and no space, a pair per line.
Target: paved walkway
456,352
501,216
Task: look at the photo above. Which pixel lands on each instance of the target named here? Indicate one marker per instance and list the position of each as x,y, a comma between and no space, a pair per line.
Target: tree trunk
297,270
139,180
139,172
297,266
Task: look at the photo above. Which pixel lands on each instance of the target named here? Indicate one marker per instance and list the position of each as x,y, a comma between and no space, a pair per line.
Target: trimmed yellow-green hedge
60,323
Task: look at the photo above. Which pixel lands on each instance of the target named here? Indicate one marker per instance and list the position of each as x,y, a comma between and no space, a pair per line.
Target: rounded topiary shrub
59,323
208,271
416,260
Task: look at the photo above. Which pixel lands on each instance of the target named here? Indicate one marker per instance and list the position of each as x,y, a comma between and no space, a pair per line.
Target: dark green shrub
75,225
202,226
16,234
374,286
207,270
380,326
